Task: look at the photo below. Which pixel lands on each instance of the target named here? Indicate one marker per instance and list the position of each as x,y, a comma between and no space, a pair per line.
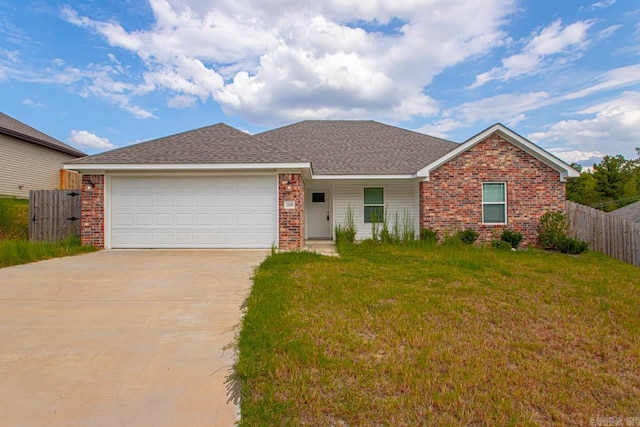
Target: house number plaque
289,204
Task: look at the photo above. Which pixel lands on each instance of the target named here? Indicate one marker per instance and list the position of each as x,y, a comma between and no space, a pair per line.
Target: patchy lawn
404,336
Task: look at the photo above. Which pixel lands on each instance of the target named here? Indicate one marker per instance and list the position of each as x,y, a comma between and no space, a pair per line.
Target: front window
494,203
373,205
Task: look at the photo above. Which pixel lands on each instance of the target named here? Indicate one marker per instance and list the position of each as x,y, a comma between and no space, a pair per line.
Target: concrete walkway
121,338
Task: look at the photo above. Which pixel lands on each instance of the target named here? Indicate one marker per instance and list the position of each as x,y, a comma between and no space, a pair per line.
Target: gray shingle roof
332,147
216,144
345,147
630,212
12,127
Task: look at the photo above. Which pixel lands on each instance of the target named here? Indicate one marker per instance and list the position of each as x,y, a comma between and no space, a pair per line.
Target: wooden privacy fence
70,180
605,232
54,214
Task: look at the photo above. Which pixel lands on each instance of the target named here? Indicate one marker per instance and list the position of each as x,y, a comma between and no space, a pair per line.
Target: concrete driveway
121,338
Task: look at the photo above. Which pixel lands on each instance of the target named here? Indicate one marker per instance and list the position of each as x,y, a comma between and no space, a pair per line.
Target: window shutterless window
494,203
373,205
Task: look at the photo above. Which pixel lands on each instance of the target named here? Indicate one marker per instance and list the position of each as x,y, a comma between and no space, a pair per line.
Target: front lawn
405,336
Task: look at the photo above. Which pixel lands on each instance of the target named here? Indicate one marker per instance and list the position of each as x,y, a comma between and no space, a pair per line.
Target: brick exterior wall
92,217
452,198
291,221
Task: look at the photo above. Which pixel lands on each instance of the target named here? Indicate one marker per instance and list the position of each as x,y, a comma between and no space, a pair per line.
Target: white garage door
193,212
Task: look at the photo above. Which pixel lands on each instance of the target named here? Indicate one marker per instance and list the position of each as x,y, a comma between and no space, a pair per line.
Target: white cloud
508,108
28,102
86,139
612,126
576,156
182,101
287,60
551,41
612,79
602,4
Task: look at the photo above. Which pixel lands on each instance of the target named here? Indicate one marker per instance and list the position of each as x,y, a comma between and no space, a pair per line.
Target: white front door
319,221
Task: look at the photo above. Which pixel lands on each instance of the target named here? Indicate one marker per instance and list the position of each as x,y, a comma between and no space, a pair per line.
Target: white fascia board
565,170
340,177
186,167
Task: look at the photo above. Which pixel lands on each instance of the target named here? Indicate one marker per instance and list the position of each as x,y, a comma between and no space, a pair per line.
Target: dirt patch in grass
440,336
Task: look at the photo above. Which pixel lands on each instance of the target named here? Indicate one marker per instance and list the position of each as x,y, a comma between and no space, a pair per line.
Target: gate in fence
54,214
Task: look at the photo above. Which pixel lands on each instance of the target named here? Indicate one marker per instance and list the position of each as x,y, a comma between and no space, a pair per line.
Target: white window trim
505,203
365,205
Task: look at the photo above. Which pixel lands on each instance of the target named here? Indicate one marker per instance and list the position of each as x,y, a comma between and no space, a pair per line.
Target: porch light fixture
89,186
289,187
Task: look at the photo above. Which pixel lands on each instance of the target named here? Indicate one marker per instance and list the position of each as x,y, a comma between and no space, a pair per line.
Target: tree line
611,184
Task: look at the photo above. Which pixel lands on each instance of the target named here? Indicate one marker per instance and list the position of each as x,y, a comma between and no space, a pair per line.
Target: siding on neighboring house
31,166
452,198
400,196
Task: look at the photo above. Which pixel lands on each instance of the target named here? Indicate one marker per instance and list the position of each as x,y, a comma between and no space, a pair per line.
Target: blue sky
104,74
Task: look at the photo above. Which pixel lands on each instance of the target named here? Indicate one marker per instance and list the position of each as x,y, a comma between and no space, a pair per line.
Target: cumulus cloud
551,41
612,126
86,139
290,60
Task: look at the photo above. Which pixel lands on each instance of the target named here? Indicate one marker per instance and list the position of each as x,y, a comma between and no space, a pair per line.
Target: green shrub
572,246
552,233
346,233
501,244
553,227
468,236
512,237
428,235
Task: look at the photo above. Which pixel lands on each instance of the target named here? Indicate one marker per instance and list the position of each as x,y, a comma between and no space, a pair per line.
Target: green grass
436,335
14,218
15,247
14,252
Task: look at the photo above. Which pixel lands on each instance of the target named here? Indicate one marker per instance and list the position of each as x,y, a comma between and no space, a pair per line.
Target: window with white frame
373,205
494,203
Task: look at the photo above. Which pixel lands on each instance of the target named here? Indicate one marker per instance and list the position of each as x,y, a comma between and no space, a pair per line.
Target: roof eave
18,135
564,169
349,177
183,167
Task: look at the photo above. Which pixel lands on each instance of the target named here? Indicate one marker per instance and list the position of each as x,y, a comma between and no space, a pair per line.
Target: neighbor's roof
630,212
345,147
14,128
216,144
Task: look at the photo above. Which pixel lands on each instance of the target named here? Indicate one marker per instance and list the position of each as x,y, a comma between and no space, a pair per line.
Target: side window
494,203
373,205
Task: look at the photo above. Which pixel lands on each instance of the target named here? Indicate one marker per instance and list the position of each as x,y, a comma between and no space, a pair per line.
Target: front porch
322,247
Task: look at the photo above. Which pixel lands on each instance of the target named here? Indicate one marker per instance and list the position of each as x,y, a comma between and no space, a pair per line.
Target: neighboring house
30,159
630,212
220,187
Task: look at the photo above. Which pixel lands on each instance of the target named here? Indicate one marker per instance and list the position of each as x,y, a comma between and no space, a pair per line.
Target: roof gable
16,129
564,169
358,147
216,144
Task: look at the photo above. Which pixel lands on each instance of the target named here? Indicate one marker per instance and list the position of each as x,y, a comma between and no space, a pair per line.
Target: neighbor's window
494,203
373,205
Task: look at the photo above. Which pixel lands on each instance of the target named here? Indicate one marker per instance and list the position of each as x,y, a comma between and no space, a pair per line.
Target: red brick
452,198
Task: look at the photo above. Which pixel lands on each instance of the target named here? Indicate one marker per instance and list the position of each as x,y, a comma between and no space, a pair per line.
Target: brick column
92,216
291,211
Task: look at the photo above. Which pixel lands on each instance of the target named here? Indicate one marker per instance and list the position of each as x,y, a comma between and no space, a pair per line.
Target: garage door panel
205,212
144,219
224,220
146,201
